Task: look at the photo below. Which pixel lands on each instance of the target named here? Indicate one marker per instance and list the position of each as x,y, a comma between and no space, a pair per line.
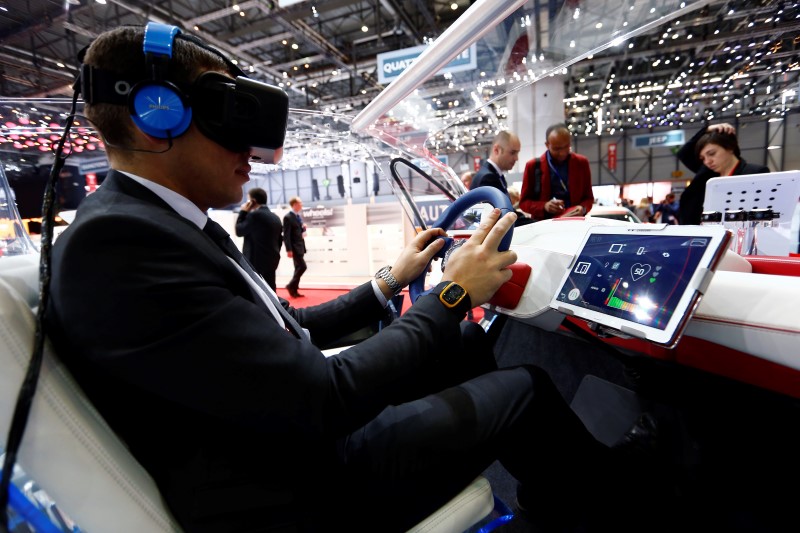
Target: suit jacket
262,232
236,419
579,184
487,175
293,234
693,197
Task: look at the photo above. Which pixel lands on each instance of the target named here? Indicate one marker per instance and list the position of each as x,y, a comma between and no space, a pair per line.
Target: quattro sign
392,64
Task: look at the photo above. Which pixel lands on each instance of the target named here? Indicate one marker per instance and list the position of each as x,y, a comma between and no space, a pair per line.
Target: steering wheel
486,194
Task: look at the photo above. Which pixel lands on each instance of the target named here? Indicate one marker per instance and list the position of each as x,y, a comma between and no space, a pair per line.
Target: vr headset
238,113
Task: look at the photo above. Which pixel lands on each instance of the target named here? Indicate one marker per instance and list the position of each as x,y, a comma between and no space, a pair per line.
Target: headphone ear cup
159,109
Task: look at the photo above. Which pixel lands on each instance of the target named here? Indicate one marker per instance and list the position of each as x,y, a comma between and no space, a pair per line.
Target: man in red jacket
559,183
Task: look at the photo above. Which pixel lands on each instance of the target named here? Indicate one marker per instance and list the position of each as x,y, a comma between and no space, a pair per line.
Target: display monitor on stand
757,208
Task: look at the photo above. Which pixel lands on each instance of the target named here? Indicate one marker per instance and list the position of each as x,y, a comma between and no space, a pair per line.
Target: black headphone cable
27,390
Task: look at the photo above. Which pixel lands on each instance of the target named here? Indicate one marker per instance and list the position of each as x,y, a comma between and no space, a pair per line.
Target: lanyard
554,171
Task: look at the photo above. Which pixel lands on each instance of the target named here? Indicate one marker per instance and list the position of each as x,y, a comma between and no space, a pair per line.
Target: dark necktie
223,240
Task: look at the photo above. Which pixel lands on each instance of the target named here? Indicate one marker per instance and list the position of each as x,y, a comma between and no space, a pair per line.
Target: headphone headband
236,112
158,38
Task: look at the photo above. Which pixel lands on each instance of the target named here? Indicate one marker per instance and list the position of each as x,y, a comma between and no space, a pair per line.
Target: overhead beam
423,10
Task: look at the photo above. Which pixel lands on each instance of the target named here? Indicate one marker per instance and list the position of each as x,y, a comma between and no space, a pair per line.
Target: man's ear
152,143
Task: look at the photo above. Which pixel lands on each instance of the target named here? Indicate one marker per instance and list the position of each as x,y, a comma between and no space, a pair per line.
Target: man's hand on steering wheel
477,265
415,257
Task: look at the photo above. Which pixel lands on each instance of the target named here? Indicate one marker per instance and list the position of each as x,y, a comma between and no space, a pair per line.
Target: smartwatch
453,296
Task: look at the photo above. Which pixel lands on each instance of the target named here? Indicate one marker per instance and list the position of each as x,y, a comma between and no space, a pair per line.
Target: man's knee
538,375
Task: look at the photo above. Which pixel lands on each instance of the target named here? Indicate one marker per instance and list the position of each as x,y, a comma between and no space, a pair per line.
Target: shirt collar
179,203
495,167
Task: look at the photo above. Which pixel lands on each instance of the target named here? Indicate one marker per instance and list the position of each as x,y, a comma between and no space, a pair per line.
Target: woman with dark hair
712,152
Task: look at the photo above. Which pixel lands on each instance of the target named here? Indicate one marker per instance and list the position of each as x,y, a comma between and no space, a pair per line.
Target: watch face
453,294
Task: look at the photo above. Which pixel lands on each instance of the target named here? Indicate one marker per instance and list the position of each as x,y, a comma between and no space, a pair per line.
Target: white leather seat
74,456
68,449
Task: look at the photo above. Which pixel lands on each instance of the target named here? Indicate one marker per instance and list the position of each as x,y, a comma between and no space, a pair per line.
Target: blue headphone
158,107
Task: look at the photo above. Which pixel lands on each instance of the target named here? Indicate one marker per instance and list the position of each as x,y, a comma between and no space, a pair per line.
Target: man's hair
294,200
121,50
720,138
258,194
503,138
558,128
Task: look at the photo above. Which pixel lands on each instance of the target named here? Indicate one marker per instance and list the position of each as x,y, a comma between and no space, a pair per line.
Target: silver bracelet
453,247
386,275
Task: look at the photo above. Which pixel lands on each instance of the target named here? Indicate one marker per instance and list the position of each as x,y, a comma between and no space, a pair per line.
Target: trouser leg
299,268
413,457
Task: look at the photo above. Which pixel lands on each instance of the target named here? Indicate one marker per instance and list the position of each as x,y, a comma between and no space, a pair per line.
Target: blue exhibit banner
392,64
667,138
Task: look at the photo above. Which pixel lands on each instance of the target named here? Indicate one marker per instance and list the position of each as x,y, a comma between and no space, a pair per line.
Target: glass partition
433,108
14,239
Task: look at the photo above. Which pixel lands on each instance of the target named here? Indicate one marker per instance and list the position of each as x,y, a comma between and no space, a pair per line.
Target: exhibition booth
698,322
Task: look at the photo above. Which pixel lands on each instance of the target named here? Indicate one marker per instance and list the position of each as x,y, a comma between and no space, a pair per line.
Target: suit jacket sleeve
242,227
688,155
287,231
528,201
580,182
125,304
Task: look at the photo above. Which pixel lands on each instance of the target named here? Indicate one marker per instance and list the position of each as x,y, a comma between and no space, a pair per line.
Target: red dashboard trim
776,265
715,359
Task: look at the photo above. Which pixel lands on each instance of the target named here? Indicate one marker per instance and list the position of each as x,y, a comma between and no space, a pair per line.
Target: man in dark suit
294,231
242,421
262,232
559,182
505,152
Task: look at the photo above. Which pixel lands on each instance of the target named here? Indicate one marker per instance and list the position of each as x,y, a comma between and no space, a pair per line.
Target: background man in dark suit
244,424
559,183
262,232
505,152
294,232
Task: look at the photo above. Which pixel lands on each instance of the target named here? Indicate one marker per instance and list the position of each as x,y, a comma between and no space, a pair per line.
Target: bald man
505,152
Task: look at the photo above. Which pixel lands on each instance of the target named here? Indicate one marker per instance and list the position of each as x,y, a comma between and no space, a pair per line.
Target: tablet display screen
639,279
